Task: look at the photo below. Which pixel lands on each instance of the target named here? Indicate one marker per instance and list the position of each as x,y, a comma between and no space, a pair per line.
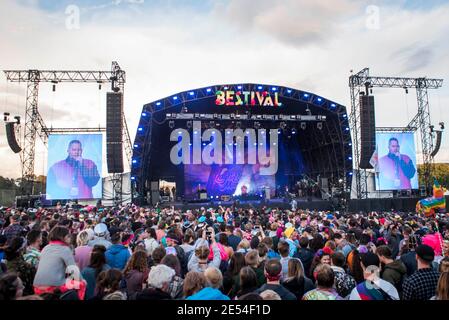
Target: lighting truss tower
363,82
34,124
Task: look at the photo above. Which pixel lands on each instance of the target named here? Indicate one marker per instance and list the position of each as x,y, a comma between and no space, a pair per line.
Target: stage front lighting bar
263,117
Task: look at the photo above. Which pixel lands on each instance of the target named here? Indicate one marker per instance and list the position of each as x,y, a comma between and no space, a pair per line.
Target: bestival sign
247,98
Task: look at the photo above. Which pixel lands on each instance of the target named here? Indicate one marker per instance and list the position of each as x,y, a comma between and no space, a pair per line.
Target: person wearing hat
100,238
422,284
173,241
373,288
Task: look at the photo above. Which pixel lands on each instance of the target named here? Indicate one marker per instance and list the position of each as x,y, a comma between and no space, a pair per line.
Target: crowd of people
137,253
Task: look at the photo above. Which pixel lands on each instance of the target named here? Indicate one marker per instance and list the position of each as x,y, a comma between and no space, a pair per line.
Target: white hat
100,229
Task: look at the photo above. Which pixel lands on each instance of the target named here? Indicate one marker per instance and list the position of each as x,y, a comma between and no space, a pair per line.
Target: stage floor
302,203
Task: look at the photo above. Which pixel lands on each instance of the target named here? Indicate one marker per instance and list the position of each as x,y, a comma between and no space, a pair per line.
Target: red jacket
67,175
392,168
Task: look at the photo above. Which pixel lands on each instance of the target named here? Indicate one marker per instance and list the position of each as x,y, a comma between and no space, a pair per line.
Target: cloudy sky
167,46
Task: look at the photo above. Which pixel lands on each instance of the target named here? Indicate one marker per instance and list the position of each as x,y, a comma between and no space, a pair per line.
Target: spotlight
6,116
319,125
282,125
189,124
293,131
171,124
303,125
432,128
18,120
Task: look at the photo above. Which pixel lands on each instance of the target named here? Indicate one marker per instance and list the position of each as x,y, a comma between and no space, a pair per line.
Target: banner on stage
74,166
395,161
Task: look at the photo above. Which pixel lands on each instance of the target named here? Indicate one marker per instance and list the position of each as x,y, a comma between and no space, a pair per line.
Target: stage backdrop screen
74,166
396,164
227,179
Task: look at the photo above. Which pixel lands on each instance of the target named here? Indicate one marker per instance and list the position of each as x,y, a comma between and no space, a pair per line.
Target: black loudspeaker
114,130
367,130
11,137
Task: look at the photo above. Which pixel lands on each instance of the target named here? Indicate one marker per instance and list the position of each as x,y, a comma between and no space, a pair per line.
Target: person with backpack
374,287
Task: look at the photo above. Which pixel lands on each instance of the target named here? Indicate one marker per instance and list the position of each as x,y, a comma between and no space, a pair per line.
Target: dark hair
364,239
13,250
33,235
172,261
251,296
58,233
268,241
158,254
108,281
236,263
73,142
392,139
248,279
273,268
116,237
304,242
97,259
384,251
263,249
152,233
9,283
283,248
338,259
138,261
316,243
223,239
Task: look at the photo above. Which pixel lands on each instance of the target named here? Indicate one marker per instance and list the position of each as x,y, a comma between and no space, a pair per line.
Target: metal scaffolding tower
361,83
35,125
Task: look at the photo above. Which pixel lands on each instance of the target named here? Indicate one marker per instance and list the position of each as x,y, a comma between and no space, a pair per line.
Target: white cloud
308,45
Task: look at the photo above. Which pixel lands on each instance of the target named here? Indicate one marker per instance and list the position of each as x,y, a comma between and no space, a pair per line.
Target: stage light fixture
189,124
293,131
158,103
289,91
259,87
303,125
319,125
18,120
432,128
256,125
192,93
175,98
6,116
282,125
208,90
441,125
171,124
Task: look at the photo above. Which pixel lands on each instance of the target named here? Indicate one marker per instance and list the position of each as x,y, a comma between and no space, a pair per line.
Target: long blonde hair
83,238
443,283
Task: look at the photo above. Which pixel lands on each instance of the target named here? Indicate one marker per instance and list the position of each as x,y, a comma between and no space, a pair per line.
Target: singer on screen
396,169
73,177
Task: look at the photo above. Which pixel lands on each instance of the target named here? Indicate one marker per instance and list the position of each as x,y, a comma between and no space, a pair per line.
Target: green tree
439,170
